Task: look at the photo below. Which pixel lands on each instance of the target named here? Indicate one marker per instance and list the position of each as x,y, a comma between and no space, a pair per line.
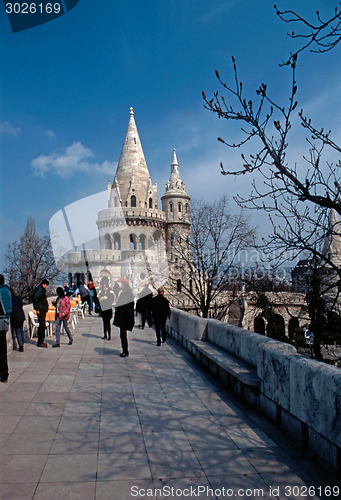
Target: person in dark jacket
144,306
41,306
106,299
17,320
124,314
84,293
161,311
93,295
5,312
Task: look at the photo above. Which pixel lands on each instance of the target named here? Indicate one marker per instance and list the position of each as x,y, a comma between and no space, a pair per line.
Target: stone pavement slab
82,423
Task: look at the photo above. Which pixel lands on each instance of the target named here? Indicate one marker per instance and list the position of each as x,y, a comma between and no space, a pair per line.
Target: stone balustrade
119,214
301,395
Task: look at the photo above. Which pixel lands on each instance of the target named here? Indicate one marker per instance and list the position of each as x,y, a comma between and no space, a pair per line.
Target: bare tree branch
297,196
319,36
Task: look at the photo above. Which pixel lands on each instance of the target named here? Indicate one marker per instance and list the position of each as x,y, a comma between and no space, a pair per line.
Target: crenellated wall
301,395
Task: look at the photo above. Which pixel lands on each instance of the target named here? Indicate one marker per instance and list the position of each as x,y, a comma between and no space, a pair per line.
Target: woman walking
63,308
124,314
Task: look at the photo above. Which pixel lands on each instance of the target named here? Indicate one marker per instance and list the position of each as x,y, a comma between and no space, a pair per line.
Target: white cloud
8,129
50,133
74,158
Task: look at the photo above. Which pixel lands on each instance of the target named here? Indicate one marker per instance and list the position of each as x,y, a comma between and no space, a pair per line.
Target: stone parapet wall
301,395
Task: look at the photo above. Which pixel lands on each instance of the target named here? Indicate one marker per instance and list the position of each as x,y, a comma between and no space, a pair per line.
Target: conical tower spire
175,182
132,177
175,175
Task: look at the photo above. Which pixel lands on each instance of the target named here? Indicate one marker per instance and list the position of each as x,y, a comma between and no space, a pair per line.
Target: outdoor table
51,318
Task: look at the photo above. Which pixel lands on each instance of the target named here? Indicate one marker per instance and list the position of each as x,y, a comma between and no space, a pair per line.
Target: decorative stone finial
131,111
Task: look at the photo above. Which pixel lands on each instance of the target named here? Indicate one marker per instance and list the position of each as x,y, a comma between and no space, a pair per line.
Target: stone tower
176,206
135,238
132,227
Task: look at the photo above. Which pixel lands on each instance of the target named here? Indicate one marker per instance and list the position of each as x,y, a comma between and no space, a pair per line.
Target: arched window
276,327
105,274
179,207
107,241
142,242
171,208
133,201
133,242
157,235
178,286
186,208
150,203
117,241
259,325
293,327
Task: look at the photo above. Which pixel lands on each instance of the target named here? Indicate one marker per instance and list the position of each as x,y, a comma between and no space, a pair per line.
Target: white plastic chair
74,316
35,324
81,309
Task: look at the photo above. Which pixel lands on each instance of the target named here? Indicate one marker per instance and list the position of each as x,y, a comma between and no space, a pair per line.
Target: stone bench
239,376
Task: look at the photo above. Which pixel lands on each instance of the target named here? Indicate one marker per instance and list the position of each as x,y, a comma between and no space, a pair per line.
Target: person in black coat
106,301
124,314
17,320
144,306
41,307
161,311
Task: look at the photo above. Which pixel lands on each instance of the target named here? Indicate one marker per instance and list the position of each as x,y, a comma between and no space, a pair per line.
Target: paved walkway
80,422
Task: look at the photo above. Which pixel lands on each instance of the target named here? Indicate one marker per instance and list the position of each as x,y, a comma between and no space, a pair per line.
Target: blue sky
66,88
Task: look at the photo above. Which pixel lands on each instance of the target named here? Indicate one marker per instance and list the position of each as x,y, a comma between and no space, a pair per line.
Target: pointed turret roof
175,183
132,166
175,175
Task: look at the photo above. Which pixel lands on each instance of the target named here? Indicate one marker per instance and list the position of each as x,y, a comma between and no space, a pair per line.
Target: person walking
63,308
106,299
72,289
5,312
41,306
17,320
124,314
144,306
84,293
161,311
93,295
66,289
